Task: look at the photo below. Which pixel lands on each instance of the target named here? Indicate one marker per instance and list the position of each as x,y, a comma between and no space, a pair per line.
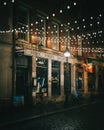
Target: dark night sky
83,9
86,5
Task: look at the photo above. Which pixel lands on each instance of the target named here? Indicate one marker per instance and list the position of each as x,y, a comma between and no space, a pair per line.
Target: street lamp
66,54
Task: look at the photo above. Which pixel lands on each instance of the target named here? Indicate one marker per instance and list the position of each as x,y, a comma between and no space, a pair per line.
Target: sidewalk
22,114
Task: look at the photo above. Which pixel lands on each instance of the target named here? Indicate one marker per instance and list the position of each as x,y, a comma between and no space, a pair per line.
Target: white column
49,78
73,79
62,78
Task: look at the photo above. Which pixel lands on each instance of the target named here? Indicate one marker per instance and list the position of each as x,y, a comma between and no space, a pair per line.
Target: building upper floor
28,26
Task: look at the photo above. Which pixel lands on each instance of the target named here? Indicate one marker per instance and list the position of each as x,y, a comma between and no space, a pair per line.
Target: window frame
23,27
55,36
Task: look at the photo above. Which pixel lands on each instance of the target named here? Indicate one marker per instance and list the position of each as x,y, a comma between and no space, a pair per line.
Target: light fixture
66,52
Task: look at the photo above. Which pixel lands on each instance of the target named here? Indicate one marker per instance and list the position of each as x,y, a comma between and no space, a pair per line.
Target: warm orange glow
49,43
34,39
16,34
62,46
88,68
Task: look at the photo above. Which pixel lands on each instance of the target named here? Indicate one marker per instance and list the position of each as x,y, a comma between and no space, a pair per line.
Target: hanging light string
85,36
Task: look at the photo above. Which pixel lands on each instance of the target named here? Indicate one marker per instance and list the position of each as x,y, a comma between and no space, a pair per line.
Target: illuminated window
40,29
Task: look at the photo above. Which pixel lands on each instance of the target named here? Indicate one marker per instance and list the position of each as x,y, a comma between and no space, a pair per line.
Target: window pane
41,29
55,34
22,24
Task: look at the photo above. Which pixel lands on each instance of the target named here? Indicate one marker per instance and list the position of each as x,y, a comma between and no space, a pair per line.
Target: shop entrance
22,83
23,79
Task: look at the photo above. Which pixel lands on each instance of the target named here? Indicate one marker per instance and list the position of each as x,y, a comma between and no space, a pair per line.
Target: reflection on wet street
85,118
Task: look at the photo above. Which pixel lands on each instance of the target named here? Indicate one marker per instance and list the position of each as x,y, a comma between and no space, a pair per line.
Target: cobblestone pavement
88,117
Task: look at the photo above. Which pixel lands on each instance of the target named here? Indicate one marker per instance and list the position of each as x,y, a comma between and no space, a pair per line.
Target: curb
45,114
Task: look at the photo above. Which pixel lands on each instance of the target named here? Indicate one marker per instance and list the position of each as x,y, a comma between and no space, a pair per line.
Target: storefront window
79,77
55,78
80,81
40,29
41,75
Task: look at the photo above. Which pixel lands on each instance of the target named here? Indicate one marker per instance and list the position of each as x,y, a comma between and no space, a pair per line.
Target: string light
47,17
61,11
5,3
68,7
53,14
75,3
12,1
91,17
83,20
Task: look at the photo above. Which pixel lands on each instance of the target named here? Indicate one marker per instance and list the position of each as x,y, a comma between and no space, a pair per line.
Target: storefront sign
49,56
42,54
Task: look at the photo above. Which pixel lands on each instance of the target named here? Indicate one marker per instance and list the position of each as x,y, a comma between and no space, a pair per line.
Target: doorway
23,76
22,83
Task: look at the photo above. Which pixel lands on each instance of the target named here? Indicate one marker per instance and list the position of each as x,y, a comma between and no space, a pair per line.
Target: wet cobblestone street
89,117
